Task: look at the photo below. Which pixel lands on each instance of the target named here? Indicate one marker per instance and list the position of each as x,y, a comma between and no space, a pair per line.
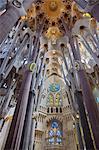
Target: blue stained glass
59,133
55,134
51,140
51,133
54,125
57,87
54,87
59,140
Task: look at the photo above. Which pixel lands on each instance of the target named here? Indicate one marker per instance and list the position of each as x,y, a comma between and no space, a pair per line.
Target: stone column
32,134
3,109
84,121
88,97
15,133
24,105
79,134
10,17
90,51
7,21
6,127
86,131
91,106
28,122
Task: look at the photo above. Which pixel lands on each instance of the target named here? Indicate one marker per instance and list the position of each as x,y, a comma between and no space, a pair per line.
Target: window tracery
58,100
55,133
50,99
54,87
54,96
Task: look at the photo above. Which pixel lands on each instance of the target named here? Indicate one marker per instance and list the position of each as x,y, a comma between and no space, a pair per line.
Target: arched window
54,96
55,133
58,100
50,99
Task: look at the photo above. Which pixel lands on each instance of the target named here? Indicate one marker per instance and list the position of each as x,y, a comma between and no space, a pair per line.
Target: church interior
49,74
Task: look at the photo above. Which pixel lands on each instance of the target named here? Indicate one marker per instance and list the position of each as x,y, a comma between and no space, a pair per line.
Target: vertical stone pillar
28,122
79,134
65,130
7,21
7,99
15,133
91,106
88,97
11,16
6,127
28,118
32,134
23,113
84,122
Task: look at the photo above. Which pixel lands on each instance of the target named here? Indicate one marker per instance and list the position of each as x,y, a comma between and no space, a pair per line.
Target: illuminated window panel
54,87
51,133
50,99
58,100
51,140
54,125
55,133
59,141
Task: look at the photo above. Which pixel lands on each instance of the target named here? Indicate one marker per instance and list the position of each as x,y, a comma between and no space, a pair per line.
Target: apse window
55,133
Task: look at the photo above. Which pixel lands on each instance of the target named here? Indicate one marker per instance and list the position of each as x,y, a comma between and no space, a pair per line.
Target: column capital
31,66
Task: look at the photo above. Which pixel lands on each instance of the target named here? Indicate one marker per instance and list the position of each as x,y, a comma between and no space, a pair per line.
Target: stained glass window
58,100
51,133
59,141
54,96
55,133
54,124
50,99
54,87
51,140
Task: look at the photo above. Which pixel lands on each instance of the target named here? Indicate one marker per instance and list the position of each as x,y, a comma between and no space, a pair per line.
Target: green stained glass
58,100
50,99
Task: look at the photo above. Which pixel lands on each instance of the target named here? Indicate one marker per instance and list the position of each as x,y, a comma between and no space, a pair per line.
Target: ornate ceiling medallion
53,33
53,9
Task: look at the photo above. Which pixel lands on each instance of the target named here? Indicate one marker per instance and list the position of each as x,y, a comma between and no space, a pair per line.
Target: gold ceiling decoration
53,32
53,9
31,12
52,53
